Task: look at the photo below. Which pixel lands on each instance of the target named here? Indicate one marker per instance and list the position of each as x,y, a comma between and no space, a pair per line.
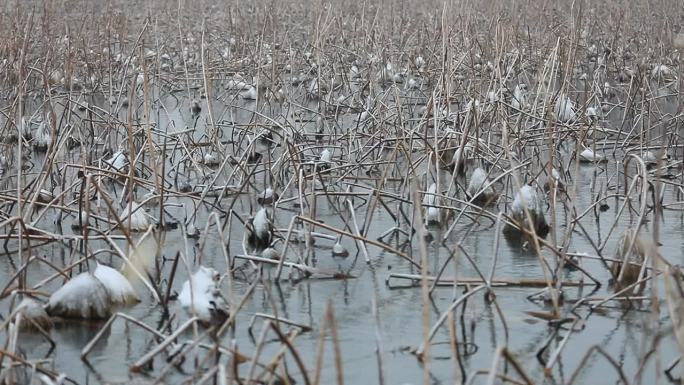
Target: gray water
625,335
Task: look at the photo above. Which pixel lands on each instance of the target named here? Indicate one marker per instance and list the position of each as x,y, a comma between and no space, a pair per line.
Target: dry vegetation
129,131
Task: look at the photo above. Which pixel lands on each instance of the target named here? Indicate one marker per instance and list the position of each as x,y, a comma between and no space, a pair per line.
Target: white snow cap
199,294
526,197
565,109
119,289
588,155
326,156
138,219
477,181
84,296
261,223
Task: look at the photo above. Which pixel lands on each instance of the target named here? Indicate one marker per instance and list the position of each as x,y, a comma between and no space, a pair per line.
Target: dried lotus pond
352,192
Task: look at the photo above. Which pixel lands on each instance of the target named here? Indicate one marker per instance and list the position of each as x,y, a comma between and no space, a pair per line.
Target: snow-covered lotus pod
589,156
625,75
354,72
632,249
195,107
118,161
554,180
210,159
473,104
237,85
250,93
43,137
419,62
83,296
200,296
262,225
678,41
430,201
45,196
650,158
324,161
141,260
24,130
592,51
119,289
191,231
592,114
565,109
326,155
258,233
140,79
385,74
492,97
81,221
278,96
271,253
56,77
339,251
3,165
460,159
136,220
32,315
476,188
314,87
527,198
662,72
152,198
267,197
398,77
